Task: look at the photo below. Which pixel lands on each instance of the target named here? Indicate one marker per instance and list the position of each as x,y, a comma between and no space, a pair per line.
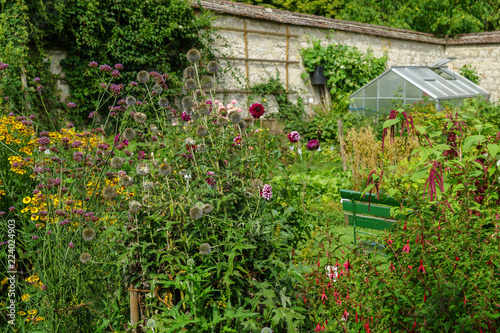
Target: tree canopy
439,17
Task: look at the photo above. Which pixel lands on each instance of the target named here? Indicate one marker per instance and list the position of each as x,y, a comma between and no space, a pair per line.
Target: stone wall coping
298,19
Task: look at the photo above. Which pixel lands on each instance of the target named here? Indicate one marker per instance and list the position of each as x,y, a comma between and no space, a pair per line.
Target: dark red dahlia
256,110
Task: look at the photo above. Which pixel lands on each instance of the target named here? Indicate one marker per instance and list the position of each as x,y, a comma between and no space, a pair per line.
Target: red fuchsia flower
421,268
324,297
345,315
392,268
256,110
406,248
294,137
313,145
347,265
266,192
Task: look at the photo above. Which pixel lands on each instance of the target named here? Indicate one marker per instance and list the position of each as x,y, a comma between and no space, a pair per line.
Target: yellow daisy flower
26,200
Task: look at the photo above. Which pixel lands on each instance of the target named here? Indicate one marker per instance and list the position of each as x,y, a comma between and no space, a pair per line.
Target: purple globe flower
313,145
93,64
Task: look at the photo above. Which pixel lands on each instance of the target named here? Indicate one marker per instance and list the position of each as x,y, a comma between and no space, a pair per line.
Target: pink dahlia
294,137
266,192
313,145
256,110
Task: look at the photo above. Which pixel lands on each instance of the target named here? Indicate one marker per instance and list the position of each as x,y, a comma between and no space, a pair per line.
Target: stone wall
403,47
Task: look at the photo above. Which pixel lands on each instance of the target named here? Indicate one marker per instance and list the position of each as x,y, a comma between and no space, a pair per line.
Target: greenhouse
401,85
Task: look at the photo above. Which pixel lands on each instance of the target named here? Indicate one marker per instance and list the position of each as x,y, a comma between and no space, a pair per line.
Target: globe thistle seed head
190,141
190,84
187,102
189,72
242,124
207,208
203,109
190,262
266,330
165,169
234,116
88,234
130,100
109,192
222,121
183,172
142,168
143,76
129,134
202,148
116,162
157,89
201,131
199,204
213,67
147,185
140,117
163,102
195,116
207,82
134,206
127,181
193,55
196,212
205,248
85,257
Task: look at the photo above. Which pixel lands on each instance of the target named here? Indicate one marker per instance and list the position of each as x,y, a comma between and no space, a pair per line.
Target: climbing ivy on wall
346,68
139,34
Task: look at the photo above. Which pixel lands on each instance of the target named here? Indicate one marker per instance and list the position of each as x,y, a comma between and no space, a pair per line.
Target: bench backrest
368,211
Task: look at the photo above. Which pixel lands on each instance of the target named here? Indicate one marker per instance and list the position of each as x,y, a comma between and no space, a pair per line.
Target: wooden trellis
248,60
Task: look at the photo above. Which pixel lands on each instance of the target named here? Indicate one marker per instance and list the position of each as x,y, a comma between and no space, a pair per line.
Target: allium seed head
193,55
199,204
203,109
143,76
142,169
196,212
213,67
140,117
257,183
190,84
85,257
116,162
201,131
134,206
222,121
109,192
147,185
129,134
206,82
127,181
165,169
234,116
205,248
189,72
190,141
190,262
187,102
201,148
88,234
163,102
207,208
131,101
242,124
266,330
157,89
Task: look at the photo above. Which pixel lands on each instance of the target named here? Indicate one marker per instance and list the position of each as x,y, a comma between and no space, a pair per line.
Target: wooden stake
134,305
342,144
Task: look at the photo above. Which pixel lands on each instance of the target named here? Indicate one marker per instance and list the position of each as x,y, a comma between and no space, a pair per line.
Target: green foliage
346,68
443,18
469,73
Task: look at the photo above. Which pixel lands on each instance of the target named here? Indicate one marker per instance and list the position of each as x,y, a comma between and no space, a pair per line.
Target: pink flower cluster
266,192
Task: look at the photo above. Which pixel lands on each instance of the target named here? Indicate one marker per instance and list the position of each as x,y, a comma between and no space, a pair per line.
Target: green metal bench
368,212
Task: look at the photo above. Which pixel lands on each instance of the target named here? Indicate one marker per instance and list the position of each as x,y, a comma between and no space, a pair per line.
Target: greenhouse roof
439,82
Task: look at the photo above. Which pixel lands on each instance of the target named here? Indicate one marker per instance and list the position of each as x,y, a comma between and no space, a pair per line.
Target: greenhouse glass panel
357,103
413,101
392,85
386,105
371,90
371,104
412,91
359,94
